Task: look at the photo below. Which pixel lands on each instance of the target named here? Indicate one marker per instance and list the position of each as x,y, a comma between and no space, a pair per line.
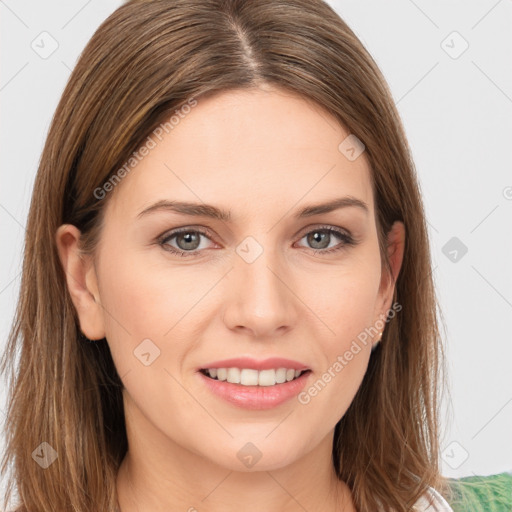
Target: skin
263,154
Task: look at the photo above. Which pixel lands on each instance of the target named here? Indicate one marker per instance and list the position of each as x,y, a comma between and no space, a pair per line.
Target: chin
252,455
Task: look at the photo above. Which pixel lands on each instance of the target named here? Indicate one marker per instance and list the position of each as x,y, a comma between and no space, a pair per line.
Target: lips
260,395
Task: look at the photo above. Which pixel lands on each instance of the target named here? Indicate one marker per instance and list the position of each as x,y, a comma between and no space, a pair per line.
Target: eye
321,237
188,241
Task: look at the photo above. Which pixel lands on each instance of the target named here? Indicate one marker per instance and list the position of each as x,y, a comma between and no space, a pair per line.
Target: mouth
247,388
253,378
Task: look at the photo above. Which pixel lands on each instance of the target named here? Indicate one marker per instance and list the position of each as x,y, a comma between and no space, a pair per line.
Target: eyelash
347,239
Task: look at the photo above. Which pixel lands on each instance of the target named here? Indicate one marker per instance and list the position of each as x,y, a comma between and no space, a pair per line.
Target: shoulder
432,501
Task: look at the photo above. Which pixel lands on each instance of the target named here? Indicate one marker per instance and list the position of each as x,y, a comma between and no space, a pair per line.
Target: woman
226,297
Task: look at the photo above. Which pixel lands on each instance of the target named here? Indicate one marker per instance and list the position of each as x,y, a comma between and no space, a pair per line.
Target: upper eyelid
326,227
186,229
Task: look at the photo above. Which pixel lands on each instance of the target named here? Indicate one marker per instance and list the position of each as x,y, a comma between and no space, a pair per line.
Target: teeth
281,375
233,375
249,377
267,378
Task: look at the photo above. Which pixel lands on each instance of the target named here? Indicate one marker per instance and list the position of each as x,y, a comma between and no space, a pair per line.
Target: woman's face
267,282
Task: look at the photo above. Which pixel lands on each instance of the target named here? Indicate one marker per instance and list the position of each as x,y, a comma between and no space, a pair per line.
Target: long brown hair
144,62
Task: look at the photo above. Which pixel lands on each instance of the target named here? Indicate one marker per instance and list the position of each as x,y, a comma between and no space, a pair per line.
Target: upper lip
254,364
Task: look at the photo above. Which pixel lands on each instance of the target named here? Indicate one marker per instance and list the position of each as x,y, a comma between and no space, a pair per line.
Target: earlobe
81,282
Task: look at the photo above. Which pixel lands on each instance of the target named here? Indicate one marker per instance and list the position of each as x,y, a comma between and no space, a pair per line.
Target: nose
260,297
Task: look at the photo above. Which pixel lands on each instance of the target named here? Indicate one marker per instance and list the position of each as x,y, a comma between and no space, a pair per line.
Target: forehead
250,151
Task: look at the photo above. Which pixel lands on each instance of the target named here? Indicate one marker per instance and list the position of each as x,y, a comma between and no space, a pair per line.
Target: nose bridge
261,296
257,266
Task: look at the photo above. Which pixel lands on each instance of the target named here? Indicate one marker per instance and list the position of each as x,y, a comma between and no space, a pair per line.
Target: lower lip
256,397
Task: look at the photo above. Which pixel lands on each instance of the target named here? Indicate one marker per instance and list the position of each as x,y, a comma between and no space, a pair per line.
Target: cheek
345,304
343,343
138,305
344,297
143,293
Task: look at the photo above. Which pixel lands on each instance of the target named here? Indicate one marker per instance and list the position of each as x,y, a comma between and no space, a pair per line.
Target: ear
81,281
395,247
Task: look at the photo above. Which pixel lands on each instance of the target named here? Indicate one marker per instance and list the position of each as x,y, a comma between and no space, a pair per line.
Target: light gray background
457,114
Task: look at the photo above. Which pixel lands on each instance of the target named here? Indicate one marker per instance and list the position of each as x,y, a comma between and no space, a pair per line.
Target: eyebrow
208,210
